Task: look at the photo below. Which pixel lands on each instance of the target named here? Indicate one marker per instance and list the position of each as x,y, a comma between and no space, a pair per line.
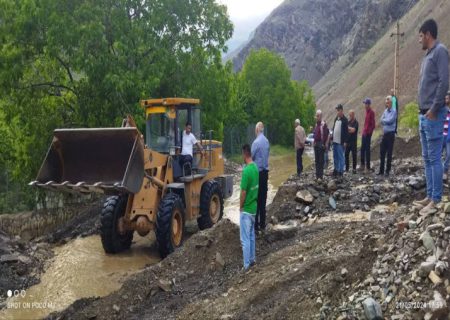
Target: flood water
280,169
81,269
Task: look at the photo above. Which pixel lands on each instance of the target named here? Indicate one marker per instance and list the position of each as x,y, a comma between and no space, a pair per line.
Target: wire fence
235,137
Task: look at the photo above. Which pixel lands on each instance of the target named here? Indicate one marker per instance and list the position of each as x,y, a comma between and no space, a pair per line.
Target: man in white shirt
187,145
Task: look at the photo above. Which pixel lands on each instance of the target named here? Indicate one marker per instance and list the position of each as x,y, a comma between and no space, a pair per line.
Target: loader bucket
106,160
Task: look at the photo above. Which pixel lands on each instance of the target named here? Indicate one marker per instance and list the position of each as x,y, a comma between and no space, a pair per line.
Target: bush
409,118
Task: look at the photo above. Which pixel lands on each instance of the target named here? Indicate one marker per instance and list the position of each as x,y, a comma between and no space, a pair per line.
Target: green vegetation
87,64
409,118
265,92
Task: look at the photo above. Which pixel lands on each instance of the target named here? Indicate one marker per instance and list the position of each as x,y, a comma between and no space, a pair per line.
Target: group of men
434,121
343,139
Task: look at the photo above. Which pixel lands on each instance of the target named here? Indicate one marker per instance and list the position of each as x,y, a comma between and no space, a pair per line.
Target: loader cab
166,120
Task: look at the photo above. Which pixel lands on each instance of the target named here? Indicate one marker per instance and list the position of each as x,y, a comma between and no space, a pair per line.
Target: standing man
321,133
351,141
388,121
340,136
433,86
446,145
394,100
395,107
260,155
300,139
247,207
369,126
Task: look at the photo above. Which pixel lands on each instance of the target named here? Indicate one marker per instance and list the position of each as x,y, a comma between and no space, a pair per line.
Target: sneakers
429,209
422,203
444,177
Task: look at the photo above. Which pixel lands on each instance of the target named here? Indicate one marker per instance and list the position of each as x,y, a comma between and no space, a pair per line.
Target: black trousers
300,160
183,160
260,219
386,148
351,148
365,151
319,154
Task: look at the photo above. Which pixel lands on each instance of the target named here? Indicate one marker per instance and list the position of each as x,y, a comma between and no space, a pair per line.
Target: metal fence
235,137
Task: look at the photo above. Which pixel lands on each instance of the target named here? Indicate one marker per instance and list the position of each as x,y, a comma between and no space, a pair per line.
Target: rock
447,207
402,225
304,196
434,277
332,203
427,240
9,258
440,268
332,185
25,259
307,209
435,226
116,307
165,285
219,262
412,224
372,309
425,268
344,272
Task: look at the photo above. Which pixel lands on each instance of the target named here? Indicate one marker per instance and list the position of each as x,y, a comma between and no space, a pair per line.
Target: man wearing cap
433,85
388,120
369,126
340,136
300,139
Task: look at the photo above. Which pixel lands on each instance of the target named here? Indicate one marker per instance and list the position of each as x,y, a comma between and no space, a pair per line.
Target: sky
246,15
241,10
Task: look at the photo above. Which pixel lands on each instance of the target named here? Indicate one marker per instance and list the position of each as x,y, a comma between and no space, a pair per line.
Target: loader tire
112,240
169,224
211,205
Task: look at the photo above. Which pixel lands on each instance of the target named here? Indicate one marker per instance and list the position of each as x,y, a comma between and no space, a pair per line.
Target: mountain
314,35
373,73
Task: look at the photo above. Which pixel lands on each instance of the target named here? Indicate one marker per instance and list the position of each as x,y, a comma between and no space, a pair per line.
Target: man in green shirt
248,206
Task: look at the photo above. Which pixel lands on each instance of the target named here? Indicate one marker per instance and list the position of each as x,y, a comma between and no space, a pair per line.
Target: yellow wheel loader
150,187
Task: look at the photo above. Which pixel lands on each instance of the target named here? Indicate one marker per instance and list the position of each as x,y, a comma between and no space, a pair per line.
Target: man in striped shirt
446,137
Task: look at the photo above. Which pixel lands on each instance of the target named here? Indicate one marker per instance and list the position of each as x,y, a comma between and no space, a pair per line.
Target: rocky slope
373,73
313,35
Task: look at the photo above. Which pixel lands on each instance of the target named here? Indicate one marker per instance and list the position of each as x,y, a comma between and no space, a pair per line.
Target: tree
272,97
74,63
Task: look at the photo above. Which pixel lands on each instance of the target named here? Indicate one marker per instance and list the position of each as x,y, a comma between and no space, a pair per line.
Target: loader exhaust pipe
106,160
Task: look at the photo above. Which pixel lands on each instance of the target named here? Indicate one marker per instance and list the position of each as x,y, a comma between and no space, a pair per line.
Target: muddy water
79,269
281,168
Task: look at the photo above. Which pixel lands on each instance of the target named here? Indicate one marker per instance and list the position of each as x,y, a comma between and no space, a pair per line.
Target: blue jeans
447,155
338,157
247,227
431,138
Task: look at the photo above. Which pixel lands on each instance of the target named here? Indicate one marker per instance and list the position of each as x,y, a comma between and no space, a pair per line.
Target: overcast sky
247,9
246,15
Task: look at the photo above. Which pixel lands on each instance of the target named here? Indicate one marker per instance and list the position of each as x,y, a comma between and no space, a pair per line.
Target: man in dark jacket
321,133
353,127
340,136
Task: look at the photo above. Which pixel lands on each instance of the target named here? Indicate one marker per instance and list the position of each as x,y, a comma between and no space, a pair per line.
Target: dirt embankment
22,261
329,246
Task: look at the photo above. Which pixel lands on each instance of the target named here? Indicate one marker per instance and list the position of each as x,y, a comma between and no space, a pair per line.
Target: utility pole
397,35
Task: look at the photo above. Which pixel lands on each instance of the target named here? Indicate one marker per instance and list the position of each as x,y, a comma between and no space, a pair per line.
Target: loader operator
187,145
